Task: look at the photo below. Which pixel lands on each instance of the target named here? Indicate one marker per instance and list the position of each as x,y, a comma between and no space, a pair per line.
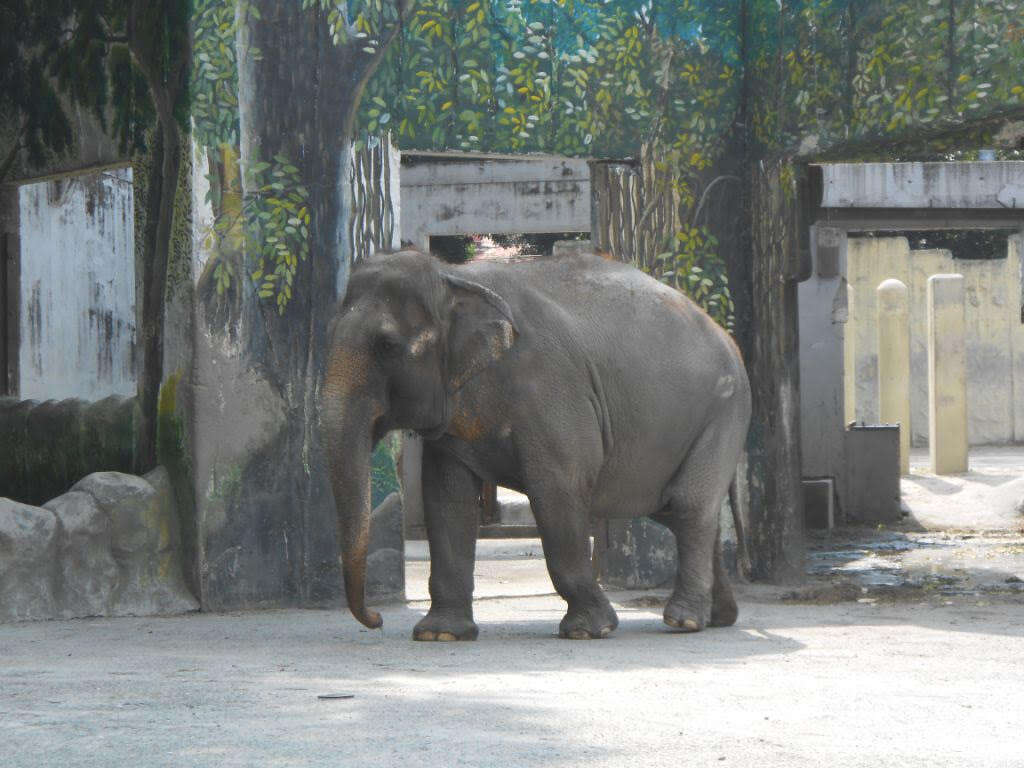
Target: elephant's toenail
426,634
691,625
446,637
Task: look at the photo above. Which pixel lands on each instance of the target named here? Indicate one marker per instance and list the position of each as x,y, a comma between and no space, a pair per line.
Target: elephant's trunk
348,433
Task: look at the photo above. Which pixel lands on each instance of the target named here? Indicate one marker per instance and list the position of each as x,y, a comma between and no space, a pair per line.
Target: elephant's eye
387,346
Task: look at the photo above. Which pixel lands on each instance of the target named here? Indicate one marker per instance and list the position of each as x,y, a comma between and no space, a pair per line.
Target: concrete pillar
947,375
894,362
850,359
410,471
823,319
1015,307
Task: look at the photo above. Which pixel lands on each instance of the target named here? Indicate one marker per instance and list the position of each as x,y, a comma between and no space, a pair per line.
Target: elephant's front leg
451,510
563,521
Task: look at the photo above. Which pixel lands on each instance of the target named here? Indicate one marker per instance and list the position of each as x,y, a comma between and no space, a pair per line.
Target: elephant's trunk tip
369,618
355,586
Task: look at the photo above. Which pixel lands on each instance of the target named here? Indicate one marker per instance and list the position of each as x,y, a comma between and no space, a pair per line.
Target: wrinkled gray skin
583,383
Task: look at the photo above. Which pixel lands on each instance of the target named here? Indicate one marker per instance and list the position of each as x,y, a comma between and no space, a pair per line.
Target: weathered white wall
968,185
995,336
77,323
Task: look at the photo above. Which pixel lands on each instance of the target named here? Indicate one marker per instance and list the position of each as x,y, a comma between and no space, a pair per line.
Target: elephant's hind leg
563,521
702,595
723,605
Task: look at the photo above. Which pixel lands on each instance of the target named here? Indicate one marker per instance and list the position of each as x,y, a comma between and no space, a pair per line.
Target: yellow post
894,362
947,375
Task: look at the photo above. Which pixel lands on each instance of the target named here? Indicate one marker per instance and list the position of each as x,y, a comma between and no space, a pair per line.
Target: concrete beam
467,194
964,185
903,219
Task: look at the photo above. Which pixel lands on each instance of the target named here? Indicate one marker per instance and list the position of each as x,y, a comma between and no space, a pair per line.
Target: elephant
582,382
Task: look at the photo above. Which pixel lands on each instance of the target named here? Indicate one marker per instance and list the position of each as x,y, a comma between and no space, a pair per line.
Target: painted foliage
603,79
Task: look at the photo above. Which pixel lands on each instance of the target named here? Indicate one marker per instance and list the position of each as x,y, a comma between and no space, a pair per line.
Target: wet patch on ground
866,565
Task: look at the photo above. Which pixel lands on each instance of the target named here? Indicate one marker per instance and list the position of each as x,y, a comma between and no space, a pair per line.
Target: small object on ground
336,696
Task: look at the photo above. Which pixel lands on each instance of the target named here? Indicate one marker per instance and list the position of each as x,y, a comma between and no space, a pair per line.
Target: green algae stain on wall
173,453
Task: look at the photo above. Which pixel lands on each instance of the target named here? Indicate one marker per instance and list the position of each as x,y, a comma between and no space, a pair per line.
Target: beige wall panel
994,334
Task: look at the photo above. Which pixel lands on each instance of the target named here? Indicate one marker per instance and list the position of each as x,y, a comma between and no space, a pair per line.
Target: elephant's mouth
436,431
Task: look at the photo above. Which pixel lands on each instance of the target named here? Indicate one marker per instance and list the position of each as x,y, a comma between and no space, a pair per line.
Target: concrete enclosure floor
905,648
850,684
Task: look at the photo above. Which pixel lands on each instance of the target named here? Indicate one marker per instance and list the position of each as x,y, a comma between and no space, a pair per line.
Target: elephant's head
407,336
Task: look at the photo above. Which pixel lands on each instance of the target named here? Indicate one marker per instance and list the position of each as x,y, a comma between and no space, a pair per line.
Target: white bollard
894,362
947,375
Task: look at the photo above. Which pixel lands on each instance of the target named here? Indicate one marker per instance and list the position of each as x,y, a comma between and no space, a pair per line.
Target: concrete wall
453,194
47,447
77,287
995,336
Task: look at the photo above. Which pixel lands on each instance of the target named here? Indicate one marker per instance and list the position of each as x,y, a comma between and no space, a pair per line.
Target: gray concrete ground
905,648
983,499
853,683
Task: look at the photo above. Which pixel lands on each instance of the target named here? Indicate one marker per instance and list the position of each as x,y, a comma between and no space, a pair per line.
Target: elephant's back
648,342
585,285
611,304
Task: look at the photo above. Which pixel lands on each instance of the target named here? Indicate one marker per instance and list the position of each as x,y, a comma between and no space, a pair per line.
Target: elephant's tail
742,554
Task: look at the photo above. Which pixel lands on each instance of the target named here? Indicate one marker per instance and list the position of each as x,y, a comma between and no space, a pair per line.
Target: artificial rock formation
28,552
107,547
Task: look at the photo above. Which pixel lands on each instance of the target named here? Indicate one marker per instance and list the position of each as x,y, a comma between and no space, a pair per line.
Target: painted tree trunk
635,208
775,508
160,207
157,37
266,515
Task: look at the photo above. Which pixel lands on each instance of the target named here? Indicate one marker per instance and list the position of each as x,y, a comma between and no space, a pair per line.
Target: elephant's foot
444,628
688,614
590,623
723,610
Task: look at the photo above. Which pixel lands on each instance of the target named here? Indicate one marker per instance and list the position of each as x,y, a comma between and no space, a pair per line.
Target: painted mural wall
77,324
995,335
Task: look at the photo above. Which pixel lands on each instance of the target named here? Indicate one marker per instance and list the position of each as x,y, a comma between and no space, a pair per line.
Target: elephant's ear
481,329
